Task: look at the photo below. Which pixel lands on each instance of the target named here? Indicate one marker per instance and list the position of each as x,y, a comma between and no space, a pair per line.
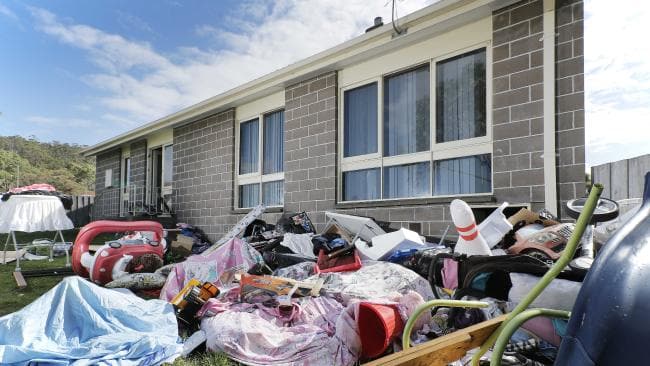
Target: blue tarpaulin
79,323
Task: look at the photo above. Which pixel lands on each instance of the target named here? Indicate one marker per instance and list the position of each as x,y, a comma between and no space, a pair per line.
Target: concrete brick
527,77
501,148
527,144
510,130
570,102
501,84
525,45
527,111
526,12
501,20
511,65
569,138
511,163
510,33
517,96
513,195
527,177
501,180
501,52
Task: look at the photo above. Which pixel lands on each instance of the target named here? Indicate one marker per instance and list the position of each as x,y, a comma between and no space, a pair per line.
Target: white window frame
437,151
257,177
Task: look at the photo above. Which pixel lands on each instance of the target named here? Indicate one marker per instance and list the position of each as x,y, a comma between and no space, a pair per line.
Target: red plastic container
378,327
338,264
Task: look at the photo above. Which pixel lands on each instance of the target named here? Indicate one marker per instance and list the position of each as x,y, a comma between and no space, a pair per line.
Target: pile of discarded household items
354,292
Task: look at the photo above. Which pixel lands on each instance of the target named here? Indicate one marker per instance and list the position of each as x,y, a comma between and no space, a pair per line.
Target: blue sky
83,71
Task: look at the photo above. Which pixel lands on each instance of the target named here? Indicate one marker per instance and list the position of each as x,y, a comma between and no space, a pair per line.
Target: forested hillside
27,161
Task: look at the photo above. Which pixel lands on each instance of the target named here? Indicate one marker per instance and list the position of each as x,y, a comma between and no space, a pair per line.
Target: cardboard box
182,245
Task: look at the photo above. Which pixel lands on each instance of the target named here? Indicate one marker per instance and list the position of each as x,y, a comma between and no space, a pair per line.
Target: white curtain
248,146
406,112
249,195
411,180
360,121
273,143
460,97
273,193
472,174
361,185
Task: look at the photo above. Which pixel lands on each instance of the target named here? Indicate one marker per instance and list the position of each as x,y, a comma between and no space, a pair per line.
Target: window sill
247,210
416,201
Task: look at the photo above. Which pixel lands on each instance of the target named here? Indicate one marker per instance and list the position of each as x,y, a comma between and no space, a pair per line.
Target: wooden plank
20,281
444,350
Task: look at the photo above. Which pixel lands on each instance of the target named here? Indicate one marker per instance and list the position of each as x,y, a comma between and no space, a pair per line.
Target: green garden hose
551,274
514,324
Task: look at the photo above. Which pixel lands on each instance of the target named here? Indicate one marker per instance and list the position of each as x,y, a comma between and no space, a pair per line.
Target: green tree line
25,161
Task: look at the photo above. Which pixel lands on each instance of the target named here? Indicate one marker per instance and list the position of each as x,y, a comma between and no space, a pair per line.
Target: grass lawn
13,299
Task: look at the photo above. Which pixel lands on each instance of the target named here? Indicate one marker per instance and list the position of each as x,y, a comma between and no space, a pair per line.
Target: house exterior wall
203,174
107,199
518,164
570,101
138,169
310,147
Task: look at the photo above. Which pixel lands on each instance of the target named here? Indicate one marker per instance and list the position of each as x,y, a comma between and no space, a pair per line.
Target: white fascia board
436,18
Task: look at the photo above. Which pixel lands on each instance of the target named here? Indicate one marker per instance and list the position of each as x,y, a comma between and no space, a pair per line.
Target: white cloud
130,21
617,80
8,13
141,84
60,122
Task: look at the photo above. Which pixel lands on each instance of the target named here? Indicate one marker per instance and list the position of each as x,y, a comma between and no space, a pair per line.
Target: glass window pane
168,164
249,195
460,97
248,146
273,193
361,185
406,112
471,174
360,121
273,143
403,181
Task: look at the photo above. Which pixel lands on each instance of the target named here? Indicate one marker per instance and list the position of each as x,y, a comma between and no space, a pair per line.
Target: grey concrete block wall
139,169
310,147
203,174
570,105
107,200
517,118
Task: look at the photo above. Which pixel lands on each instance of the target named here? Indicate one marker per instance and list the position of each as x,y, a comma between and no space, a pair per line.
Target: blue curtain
360,121
406,112
273,161
472,174
403,181
361,185
460,97
248,146
273,193
249,195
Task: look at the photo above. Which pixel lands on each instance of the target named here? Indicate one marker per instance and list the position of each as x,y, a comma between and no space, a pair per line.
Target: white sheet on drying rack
31,213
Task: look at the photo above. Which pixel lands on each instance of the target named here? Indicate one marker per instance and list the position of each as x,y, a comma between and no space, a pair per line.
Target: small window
273,193
360,121
168,164
108,178
249,195
248,147
466,175
405,181
460,97
273,142
361,185
265,185
406,112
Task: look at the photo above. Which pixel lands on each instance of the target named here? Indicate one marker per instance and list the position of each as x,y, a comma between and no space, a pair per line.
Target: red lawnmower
128,254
